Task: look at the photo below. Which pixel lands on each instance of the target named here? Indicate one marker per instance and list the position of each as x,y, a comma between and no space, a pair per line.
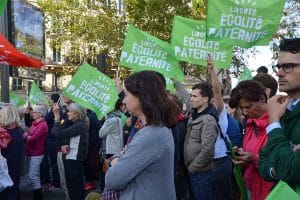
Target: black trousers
74,178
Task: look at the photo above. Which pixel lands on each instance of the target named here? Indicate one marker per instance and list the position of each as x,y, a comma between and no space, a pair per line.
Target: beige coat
199,144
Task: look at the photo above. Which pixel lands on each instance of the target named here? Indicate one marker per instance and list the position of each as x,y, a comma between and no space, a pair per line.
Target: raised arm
219,103
182,93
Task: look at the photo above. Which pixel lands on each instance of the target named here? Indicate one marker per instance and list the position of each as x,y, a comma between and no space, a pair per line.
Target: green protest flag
142,51
170,84
238,175
283,191
15,99
36,96
189,44
3,4
243,23
92,89
298,189
246,75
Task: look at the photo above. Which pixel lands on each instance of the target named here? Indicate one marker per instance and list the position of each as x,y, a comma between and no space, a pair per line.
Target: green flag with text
189,44
36,96
92,89
243,23
15,99
3,4
142,51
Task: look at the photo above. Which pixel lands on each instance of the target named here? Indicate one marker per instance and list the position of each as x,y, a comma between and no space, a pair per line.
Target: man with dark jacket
91,167
199,145
51,150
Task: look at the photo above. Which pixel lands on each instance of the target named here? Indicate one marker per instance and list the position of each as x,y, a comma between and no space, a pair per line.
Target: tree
199,9
84,28
288,27
156,16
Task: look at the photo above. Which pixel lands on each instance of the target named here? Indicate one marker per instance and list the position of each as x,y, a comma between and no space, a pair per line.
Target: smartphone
230,154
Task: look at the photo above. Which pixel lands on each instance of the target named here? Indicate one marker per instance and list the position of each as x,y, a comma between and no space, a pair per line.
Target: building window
17,84
56,55
120,7
108,3
91,3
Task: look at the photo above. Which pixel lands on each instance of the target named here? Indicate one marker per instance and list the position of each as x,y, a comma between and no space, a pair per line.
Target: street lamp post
4,69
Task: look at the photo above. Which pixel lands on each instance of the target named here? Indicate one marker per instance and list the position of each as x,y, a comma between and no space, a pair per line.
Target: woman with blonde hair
14,153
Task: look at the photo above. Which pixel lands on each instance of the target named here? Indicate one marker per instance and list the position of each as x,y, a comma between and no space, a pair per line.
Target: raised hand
276,107
210,63
56,112
118,84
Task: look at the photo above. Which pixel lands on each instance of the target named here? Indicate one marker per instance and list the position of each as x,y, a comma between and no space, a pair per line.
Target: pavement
57,194
27,194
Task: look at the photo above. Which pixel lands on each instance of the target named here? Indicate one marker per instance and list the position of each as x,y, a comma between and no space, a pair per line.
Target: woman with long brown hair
145,170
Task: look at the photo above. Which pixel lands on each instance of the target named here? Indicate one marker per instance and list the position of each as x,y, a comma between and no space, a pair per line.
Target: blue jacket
234,132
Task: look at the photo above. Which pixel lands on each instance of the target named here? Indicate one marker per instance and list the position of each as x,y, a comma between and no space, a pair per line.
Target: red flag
9,55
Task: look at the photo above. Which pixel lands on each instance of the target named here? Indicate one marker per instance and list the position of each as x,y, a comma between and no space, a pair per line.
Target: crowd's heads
118,104
9,115
269,82
201,96
262,70
176,100
145,93
81,111
41,109
205,90
288,67
249,90
250,97
54,97
290,45
162,78
67,101
122,95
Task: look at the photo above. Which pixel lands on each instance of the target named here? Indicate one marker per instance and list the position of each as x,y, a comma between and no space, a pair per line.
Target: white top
220,146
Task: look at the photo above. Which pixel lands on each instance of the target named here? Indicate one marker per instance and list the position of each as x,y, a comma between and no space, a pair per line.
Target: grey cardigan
112,130
145,171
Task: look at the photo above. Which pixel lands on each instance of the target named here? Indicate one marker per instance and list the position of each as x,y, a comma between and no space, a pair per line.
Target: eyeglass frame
286,67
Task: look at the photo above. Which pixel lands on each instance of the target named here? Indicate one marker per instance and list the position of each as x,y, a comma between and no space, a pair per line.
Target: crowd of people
158,145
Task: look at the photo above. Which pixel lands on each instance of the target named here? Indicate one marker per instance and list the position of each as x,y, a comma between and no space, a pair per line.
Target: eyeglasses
286,67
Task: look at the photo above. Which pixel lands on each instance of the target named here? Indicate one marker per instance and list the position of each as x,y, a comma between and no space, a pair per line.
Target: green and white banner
189,44
92,89
142,51
36,96
243,23
15,99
